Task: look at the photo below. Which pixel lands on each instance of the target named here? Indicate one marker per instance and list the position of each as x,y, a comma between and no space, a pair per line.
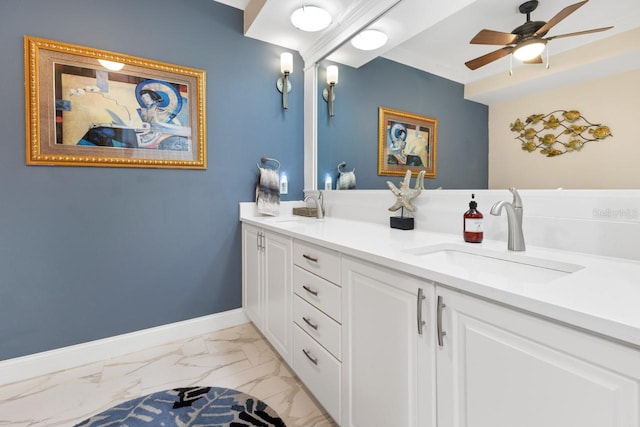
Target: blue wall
352,134
87,253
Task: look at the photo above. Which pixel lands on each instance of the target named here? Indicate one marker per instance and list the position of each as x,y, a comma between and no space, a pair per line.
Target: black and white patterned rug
191,406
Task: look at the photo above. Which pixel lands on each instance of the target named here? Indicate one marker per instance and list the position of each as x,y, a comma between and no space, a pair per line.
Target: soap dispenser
473,223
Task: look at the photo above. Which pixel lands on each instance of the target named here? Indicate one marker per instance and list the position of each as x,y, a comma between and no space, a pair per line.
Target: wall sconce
283,84
328,94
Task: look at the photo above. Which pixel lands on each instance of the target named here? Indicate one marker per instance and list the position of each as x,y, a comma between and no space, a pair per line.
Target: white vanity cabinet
389,341
317,325
500,367
267,285
379,347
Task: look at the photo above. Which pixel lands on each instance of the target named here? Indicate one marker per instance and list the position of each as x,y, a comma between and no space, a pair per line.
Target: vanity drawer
318,260
318,370
318,292
318,325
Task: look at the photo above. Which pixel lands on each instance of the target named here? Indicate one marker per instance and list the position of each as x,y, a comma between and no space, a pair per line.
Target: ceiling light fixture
529,49
369,40
310,18
111,65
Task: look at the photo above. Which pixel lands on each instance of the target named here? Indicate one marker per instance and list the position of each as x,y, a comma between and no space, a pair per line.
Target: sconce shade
110,65
286,62
369,40
332,74
529,49
310,18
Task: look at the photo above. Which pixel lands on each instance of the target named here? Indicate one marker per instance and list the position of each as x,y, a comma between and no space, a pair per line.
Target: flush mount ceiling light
310,18
529,49
111,65
369,40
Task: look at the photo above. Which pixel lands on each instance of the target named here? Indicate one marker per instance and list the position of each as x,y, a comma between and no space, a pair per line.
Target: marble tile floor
237,358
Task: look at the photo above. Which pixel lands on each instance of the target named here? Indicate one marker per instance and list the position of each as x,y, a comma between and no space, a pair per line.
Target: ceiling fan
527,41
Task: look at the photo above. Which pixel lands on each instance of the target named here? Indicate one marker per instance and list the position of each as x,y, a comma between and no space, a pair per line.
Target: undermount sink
487,265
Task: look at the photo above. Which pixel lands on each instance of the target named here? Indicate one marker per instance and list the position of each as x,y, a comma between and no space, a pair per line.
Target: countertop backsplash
598,222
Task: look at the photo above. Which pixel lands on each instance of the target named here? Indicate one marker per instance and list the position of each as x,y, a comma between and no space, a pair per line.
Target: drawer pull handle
311,291
310,258
308,322
311,358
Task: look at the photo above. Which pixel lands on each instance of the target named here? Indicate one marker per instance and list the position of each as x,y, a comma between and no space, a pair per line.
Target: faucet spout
515,240
319,204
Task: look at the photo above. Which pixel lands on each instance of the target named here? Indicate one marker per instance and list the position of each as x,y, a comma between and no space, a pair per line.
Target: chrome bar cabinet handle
421,322
441,333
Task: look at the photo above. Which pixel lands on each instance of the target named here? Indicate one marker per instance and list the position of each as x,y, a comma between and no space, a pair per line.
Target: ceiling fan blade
536,60
559,17
493,38
579,33
489,57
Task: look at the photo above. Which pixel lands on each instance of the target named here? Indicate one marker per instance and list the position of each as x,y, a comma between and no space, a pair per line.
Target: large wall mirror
475,145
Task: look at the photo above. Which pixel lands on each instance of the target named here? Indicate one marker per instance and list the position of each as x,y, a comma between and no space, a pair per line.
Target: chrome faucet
319,204
515,240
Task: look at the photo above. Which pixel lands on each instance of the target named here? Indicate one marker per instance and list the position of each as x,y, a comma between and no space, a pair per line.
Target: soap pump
472,223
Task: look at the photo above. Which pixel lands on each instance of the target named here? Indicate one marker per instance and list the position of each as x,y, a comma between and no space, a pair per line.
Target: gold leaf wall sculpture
558,132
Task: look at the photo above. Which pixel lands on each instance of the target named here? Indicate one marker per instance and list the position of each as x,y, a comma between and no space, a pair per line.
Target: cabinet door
278,292
500,367
389,367
252,273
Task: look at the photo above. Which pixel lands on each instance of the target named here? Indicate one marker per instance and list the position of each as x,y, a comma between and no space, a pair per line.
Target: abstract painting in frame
406,141
90,107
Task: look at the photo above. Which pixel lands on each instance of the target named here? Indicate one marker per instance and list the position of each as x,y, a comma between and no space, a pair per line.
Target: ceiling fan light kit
310,18
529,49
526,42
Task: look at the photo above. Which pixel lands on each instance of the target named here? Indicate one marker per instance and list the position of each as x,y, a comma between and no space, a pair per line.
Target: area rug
192,406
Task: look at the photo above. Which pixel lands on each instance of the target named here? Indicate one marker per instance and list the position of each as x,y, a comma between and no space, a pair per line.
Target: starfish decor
404,194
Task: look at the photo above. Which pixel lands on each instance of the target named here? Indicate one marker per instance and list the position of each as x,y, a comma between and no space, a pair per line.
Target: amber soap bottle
473,223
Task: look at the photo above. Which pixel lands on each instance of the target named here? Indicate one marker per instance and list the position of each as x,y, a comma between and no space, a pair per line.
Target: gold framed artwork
406,141
90,107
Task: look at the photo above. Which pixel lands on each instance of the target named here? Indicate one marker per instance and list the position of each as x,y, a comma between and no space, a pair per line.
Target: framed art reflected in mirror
89,107
406,141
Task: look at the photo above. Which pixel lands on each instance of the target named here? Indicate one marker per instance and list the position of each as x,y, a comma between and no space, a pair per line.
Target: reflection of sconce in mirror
283,84
111,65
328,94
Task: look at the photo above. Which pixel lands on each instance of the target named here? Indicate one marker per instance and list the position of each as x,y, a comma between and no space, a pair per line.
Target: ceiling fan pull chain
511,65
547,53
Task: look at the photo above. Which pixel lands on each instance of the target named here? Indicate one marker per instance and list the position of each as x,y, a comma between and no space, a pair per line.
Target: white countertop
602,296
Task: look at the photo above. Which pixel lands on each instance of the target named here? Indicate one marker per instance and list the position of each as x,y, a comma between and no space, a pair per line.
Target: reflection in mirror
351,136
475,149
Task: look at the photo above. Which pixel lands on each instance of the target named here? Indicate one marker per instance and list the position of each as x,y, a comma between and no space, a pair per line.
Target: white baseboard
34,365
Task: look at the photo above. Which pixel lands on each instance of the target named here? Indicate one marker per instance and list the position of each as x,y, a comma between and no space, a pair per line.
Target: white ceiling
433,35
